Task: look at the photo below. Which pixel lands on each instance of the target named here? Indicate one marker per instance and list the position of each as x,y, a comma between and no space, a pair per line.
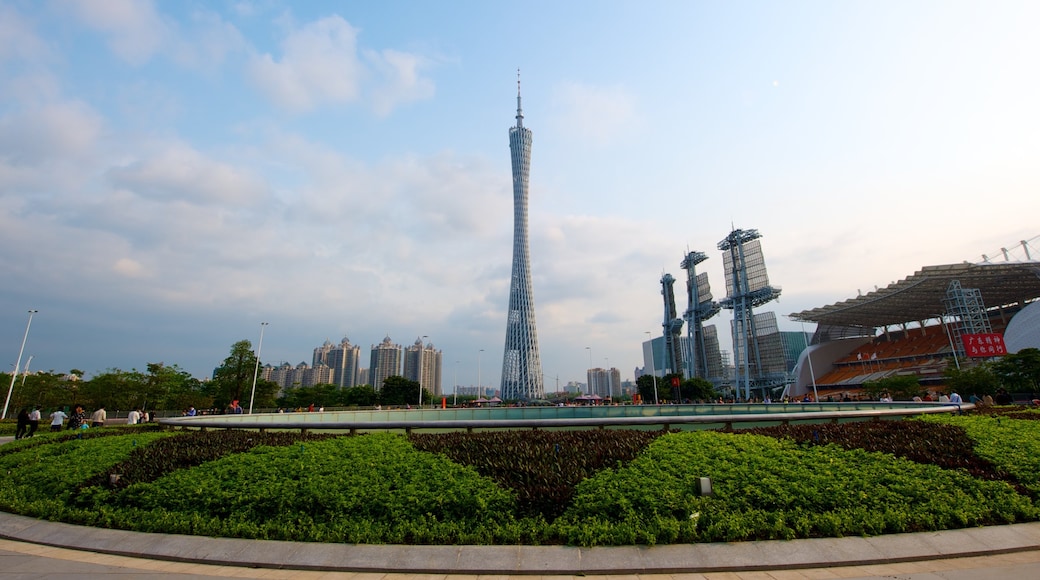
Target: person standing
57,419
23,424
98,417
78,417
133,417
34,420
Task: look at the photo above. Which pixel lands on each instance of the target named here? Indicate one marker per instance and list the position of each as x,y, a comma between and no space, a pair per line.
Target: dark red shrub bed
947,446
541,467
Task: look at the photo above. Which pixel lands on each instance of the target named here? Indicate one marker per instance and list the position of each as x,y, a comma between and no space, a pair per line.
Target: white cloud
136,32
179,172
18,40
591,113
320,64
398,80
134,28
52,131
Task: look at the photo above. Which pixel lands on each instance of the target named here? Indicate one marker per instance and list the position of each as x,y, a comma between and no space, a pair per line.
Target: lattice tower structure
748,285
700,307
521,363
672,325
966,307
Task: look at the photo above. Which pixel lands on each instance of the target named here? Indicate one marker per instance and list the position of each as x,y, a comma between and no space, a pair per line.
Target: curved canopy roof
920,296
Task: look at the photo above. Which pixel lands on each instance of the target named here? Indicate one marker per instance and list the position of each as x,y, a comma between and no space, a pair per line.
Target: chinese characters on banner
984,345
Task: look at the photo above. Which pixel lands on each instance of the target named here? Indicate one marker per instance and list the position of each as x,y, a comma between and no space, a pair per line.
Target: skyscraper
343,359
385,362
428,358
521,365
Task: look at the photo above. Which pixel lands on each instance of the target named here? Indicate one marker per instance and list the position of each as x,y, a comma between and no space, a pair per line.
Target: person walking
78,417
57,419
23,424
34,420
98,417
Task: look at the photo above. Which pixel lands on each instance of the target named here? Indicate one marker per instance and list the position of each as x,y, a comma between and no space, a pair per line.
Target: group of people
28,422
29,419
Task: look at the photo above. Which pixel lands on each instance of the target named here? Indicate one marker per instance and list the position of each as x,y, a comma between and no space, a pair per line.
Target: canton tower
521,365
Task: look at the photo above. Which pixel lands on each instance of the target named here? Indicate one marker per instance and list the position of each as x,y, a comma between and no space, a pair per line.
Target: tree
233,380
901,388
645,386
698,389
978,380
401,391
116,389
1019,371
360,396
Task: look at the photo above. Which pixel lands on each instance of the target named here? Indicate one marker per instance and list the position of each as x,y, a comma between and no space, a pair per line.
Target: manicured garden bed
595,487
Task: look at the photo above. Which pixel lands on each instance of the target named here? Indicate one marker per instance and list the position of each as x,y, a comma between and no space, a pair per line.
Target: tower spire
519,109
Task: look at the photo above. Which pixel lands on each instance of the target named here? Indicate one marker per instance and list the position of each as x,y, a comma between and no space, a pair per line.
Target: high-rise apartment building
521,364
385,362
344,360
428,359
605,382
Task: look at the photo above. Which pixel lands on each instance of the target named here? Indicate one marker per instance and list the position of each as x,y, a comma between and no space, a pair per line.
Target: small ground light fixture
704,487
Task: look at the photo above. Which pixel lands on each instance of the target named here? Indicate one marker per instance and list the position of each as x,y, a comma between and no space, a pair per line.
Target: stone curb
530,560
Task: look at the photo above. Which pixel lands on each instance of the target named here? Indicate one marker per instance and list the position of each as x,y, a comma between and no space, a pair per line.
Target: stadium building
939,317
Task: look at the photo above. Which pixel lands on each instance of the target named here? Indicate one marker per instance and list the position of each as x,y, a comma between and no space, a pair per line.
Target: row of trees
675,388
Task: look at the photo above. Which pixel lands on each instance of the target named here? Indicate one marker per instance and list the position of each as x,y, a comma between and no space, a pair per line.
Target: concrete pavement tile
615,560
722,576
786,575
849,572
754,576
881,569
488,562
685,576
421,559
818,573
554,560
1017,536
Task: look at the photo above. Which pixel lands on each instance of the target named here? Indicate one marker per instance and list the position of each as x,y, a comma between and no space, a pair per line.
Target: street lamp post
478,372
455,389
422,347
256,369
653,373
17,364
812,374
588,387
25,372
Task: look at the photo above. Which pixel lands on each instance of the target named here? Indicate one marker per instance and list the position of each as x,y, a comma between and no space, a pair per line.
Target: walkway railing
643,416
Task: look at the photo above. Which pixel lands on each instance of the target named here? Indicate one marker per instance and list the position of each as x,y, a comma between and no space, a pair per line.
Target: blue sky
174,173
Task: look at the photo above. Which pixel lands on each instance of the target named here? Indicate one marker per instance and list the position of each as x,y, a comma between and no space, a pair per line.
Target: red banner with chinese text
984,345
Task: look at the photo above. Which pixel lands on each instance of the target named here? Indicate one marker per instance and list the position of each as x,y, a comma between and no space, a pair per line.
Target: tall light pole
653,373
18,364
455,389
422,347
256,369
25,372
588,387
478,373
808,357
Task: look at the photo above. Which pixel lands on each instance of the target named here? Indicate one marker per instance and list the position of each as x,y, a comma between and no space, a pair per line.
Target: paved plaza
32,548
